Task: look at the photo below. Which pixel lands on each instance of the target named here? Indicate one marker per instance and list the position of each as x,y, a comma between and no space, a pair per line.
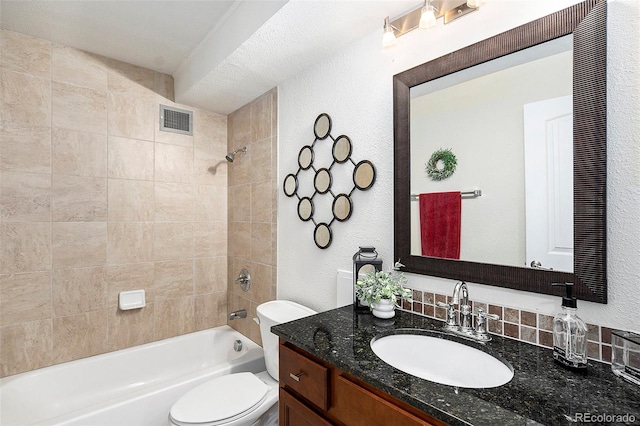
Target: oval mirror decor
340,206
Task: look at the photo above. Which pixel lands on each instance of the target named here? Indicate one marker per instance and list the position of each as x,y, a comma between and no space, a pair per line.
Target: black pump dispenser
569,300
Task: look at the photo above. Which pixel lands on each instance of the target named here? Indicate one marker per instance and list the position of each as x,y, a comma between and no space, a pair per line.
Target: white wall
355,88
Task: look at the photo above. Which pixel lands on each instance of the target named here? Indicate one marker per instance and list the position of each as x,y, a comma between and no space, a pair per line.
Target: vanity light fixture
388,37
426,17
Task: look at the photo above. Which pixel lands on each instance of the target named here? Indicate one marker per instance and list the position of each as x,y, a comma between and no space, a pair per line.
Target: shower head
232,155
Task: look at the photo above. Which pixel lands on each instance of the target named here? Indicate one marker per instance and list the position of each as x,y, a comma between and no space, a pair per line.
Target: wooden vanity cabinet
315,393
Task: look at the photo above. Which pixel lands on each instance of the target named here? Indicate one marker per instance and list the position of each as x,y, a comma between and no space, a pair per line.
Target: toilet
241,399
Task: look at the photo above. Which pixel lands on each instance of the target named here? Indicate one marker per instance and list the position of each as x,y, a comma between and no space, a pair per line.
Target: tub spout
242,313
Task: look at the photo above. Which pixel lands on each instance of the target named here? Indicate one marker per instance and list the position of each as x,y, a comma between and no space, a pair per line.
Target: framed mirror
584,24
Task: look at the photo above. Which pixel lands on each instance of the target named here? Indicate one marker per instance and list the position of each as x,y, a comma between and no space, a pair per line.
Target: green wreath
449,160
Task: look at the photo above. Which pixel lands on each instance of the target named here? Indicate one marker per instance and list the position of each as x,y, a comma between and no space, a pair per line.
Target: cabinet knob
296,377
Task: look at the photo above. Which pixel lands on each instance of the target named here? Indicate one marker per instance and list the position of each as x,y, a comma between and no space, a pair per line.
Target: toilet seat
220,400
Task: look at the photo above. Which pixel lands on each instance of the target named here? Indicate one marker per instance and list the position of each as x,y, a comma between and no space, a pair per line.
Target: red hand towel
440,224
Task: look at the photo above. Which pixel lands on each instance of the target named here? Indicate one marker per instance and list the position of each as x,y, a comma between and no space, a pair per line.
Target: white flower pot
383,309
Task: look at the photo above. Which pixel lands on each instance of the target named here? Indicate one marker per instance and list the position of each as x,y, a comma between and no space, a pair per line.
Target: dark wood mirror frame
587,22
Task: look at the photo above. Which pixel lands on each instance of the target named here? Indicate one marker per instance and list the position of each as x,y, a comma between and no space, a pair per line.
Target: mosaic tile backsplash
514,323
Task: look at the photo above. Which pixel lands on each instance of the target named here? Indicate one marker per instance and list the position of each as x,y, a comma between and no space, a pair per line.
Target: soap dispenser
569,333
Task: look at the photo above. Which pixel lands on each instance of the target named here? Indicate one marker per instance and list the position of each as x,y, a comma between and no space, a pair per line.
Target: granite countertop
541,392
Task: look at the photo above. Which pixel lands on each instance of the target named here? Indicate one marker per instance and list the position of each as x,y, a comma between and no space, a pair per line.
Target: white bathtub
135,386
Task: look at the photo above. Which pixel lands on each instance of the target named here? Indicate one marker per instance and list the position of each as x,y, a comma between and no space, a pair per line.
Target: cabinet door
295,413
355,405
304,376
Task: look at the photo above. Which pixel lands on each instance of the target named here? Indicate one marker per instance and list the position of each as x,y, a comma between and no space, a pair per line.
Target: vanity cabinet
313,392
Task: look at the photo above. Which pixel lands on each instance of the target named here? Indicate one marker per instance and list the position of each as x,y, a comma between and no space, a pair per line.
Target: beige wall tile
79,336
261,118
129,242
164,86
261,161
174,279
210,310
174,163
79,199
240,203
25,297
261,242
209,239
210,275
211,128
132,117
210,203
261,202
79,244
25,99
76,291
131,328
78,153
239,173
25,347
25,148
173,240
25,54
130,200
73,66
79,108
242,325
135,276
240,243
174,317
25,197
173,201
261,285
130,158
26,247
239,125
130,79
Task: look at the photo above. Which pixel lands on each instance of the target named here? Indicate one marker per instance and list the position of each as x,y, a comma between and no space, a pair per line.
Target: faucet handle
452,320
481,326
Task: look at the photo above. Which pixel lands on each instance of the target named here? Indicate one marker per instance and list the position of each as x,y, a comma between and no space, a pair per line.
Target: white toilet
241,399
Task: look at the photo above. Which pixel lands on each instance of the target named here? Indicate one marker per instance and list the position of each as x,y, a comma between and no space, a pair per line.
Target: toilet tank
273,313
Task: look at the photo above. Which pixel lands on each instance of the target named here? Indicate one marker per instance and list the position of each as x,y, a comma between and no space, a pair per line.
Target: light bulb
427,17
388,37
474,3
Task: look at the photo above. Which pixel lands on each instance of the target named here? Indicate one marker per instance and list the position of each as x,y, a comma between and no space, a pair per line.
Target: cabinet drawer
295,413
356,405
306,377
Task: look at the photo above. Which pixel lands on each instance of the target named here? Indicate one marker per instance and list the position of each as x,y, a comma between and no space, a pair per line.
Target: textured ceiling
222,54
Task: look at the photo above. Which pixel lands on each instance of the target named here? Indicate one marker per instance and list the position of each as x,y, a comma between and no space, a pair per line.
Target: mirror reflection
305,209
322,126
342,207
322,181
305,157
290,185
322,235
364,175
503,122
342,149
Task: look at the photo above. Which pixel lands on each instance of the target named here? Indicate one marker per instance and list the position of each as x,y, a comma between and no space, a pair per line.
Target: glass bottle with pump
569,333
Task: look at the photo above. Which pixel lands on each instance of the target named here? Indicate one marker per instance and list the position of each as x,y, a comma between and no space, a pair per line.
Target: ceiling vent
176,120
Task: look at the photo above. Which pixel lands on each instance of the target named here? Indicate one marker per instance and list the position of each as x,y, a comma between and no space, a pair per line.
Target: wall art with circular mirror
341,202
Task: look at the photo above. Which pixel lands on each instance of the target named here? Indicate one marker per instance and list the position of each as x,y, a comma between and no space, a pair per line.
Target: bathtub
135,386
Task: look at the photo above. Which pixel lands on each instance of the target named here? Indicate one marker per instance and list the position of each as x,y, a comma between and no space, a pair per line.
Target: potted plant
383,291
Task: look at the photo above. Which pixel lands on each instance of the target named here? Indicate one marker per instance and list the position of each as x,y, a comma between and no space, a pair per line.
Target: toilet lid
221,398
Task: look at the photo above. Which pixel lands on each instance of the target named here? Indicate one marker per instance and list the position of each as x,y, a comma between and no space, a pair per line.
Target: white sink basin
442,361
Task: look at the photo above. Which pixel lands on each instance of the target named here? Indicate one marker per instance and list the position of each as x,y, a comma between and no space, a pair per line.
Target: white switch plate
133,299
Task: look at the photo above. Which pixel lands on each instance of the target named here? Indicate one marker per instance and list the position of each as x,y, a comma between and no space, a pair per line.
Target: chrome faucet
461,323
242,313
